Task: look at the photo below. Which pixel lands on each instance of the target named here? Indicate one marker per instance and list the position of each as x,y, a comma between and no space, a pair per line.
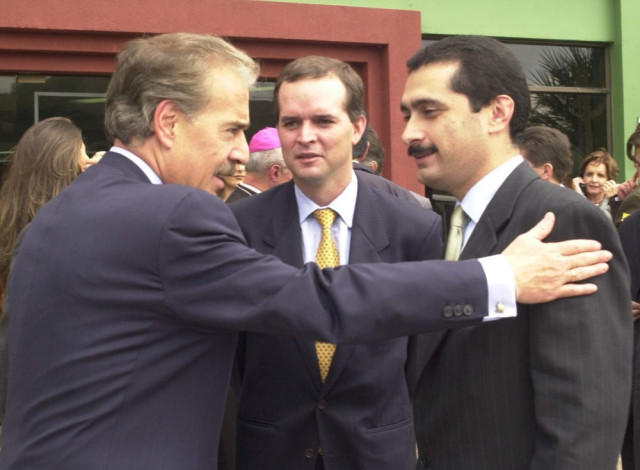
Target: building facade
56,56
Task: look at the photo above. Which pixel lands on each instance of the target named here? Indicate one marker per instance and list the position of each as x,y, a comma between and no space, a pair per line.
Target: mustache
416,150
226,169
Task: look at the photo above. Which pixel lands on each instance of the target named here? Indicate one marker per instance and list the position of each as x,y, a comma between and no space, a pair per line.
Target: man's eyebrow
421,102
314,116
239,123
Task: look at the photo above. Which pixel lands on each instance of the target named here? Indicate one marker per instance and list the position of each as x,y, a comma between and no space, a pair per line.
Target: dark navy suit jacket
361,415
125,301
548,389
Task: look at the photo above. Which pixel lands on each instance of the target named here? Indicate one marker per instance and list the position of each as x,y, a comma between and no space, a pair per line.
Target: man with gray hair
266,168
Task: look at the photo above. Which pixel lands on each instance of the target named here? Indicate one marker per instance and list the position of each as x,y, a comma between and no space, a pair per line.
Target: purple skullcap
266,139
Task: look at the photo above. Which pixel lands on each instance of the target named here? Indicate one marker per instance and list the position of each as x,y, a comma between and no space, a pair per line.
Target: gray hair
174,66
260,162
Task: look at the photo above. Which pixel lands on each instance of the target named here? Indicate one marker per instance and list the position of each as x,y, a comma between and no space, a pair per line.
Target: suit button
448,311
424,462
457,310
309,453
467,310
322,404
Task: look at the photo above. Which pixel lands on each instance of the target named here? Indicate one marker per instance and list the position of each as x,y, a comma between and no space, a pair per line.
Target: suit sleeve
580,359
211,279
433,248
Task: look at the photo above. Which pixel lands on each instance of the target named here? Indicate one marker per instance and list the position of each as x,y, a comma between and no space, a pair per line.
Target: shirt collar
139,162
479,196
344,204
251,188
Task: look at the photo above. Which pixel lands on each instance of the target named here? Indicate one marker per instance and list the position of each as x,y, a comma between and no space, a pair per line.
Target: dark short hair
376,151
547,145
314,67
360,148
600,156
487,69
633,143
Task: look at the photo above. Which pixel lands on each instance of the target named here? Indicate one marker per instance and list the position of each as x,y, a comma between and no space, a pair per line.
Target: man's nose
307,133
240,153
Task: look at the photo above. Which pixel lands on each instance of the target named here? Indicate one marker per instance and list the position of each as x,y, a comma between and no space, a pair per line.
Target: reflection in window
560,66
26,99
261,107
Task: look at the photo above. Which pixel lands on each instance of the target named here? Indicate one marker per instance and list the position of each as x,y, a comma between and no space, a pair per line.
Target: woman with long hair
48,157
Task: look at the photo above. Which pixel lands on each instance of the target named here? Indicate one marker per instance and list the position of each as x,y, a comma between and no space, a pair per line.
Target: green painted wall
601,21
625,76
577,20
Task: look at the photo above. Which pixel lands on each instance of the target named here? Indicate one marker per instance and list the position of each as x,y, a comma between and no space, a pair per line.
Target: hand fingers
585,272
579,246
543,228
571,290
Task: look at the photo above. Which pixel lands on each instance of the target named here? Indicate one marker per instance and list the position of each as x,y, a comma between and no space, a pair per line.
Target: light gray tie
459,220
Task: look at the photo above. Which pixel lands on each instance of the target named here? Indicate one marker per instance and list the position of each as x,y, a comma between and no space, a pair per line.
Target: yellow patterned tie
459,220
326,257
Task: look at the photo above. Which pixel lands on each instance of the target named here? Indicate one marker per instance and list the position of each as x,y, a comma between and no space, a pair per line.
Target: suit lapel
283,233
484,239
368,238
284,236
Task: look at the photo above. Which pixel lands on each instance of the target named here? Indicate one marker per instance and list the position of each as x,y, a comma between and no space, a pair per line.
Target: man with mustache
550,388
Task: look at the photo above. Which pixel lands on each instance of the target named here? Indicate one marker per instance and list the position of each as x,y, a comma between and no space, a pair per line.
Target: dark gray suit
548,390
125,302
361,415
630,239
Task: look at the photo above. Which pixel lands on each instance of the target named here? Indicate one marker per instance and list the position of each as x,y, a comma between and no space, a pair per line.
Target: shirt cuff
501,285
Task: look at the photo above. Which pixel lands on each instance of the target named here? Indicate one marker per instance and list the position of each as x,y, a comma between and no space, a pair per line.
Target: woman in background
231,182
598,173
48,157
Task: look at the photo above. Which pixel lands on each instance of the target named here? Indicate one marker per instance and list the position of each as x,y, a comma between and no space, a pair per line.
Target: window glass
555,66
27,99
261,107
582,117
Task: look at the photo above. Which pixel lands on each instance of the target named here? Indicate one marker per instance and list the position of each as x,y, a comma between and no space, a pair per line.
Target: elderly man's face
209,144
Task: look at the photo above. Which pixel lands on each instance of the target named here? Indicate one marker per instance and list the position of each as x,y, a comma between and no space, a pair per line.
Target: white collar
344,204
140,163
479,196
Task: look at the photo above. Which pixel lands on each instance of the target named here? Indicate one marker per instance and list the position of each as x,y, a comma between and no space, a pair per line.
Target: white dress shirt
474,204
344,205
140,163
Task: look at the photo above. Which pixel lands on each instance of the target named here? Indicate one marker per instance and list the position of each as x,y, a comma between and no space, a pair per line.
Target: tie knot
326,217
